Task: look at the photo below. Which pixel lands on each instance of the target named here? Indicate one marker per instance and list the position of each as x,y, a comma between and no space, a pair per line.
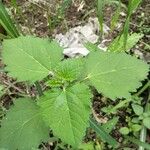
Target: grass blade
100,5
138,142
103,134
133,4
115,17
125,32
7,23
65,5
14,3
54,20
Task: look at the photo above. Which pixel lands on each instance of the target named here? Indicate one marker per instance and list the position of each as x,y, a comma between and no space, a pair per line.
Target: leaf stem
143,89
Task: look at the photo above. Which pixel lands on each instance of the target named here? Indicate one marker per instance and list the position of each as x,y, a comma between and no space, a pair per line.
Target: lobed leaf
30,58
23,128
67,112
115,75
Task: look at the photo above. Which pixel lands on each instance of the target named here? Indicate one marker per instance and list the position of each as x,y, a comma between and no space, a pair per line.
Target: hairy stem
143,88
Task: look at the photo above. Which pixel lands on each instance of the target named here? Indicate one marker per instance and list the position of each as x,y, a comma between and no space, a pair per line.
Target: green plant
122,39
138,142
57,18
143,116
100,5
118,44
140,120
66,107
115,17
52,82
132,6
113,109
7,22
100,15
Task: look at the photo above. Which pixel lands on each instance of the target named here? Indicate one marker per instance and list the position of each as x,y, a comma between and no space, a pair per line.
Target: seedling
141,118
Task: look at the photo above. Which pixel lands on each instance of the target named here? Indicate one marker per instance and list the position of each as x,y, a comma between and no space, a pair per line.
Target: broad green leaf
146,122
118,46
145,114
124,130
136,127
69,69
23,128
102,133
115,74
137,109
67,112
7,23
30,58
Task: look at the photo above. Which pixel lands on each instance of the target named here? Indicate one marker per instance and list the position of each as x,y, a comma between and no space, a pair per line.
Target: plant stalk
143,89
143,132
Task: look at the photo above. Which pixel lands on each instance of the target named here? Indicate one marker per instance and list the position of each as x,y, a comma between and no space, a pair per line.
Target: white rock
75,52
73,41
